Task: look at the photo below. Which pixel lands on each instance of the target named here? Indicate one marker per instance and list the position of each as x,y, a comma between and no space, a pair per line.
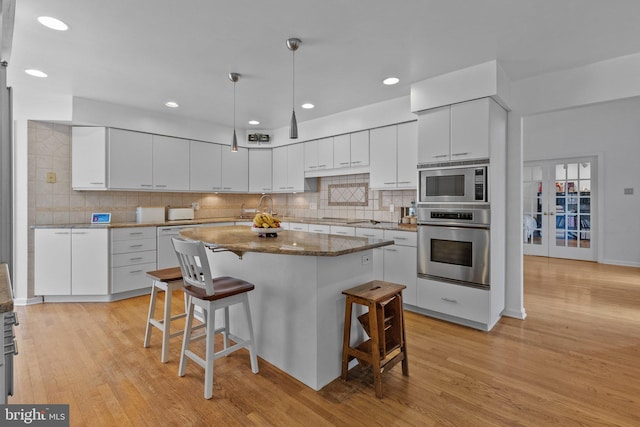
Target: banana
265,220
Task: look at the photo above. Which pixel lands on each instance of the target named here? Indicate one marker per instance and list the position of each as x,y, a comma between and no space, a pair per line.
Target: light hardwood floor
575,360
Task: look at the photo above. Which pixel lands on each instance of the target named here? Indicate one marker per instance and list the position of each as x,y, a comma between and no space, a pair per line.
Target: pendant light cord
293,95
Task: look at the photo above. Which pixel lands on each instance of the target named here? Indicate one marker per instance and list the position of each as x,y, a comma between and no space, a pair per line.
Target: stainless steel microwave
465,184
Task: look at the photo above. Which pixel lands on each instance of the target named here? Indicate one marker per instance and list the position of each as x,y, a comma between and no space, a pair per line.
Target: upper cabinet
351,150
260,170
393,156
235,170
130,160
89,158
288,168
170,163
205,175
458,132
318,155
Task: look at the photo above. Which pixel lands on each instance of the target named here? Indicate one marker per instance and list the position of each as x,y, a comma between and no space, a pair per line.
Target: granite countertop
6,296
363,223
240,239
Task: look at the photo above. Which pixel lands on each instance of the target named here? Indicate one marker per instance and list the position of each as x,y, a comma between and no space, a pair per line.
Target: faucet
260,203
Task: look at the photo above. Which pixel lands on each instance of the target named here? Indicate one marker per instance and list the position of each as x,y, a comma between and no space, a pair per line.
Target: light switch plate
628,191
51,177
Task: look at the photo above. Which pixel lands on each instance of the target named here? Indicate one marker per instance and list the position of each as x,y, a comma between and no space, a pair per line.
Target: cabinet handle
355,163
341,232
146,185
399,238
455,301
267,189
135,246
391,250
96,183
460,154
439,156
62,232
404,182
135,259
78,232
227,188
317,230
216,188
344,163
161,185
135,233
389,183
312,167
135,271
369,235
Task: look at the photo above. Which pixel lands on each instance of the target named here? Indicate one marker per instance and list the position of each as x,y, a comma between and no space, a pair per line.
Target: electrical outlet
195,206
313,206
51,177
628,191
392,207
366,259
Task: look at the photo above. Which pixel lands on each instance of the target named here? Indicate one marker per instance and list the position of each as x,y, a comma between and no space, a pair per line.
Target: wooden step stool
167,280
384,324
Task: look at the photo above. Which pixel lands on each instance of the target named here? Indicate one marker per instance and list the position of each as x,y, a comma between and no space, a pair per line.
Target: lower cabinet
378,253
458,301
133,253
71,261
400,262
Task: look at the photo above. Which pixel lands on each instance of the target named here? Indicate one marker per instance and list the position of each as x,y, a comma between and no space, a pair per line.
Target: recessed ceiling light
53,23
171,104
390,81
308,106
254,122
35,73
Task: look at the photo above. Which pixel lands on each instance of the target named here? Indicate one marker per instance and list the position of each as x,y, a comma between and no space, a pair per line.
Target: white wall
612,130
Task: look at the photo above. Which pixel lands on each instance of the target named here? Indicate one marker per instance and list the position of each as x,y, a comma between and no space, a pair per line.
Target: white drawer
404,238
133,233
133,258
296,226
126,246
343,231
376,233
454,300
319,228
131,277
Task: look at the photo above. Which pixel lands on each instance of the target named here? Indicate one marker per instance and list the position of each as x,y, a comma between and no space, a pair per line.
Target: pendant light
234,142
293,45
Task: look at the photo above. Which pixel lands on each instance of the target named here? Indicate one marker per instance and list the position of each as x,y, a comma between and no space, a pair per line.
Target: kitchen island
297,305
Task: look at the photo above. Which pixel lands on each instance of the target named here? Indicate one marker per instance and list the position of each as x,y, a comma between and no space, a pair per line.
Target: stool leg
252,342
225,332
405,360
375,349
208,370
152,308
166,332
186,339
346,339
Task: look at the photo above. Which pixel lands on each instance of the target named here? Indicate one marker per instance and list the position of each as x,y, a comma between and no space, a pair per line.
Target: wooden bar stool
167,280
384,323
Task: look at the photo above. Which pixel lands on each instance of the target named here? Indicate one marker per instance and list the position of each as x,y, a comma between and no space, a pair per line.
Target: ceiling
143,53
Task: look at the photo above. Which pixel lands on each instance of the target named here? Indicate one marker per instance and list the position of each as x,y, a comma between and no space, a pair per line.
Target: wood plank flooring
575,360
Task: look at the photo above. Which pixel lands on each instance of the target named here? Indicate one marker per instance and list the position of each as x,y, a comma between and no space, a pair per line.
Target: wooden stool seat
383,323
167,280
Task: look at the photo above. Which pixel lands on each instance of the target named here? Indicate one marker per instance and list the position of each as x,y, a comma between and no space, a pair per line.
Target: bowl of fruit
266,225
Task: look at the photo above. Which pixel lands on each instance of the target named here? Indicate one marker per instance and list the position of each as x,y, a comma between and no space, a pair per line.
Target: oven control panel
461,216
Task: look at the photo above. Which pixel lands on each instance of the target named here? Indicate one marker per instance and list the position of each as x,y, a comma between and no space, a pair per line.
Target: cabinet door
378,254
260,170
400,267
295,167
360,149
52,262
383,167
311,156
204,168
342,151
170,163
130,160
434,129
342,230
89,262
407,154
325,153
89,158
235,170
470,129
280,168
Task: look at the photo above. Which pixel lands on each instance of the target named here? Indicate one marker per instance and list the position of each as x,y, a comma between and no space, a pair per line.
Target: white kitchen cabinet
393,156
298,226
378,253
463,302
319,228
89,158
71,261
288,168
205,173
260,170
318,155
130,160
400,262
342,230
235,170
133,253
170,163
351,150
461,131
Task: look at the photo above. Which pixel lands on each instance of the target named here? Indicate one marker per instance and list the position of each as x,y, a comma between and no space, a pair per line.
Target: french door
559,208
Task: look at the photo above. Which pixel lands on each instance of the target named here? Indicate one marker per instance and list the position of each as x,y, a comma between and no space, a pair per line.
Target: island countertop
240,239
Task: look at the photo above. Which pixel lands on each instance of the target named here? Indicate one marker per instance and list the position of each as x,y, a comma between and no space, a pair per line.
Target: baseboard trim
620,263
517,314
27,301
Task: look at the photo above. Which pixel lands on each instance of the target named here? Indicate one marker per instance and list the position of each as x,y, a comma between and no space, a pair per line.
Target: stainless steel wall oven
453,245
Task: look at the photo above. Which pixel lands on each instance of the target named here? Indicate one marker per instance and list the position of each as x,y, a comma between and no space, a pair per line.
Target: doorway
559,211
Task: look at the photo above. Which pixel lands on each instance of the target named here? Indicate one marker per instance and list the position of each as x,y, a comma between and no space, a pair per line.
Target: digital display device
100,218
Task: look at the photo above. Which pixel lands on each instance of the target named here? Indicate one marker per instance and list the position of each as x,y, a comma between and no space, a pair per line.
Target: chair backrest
194,264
